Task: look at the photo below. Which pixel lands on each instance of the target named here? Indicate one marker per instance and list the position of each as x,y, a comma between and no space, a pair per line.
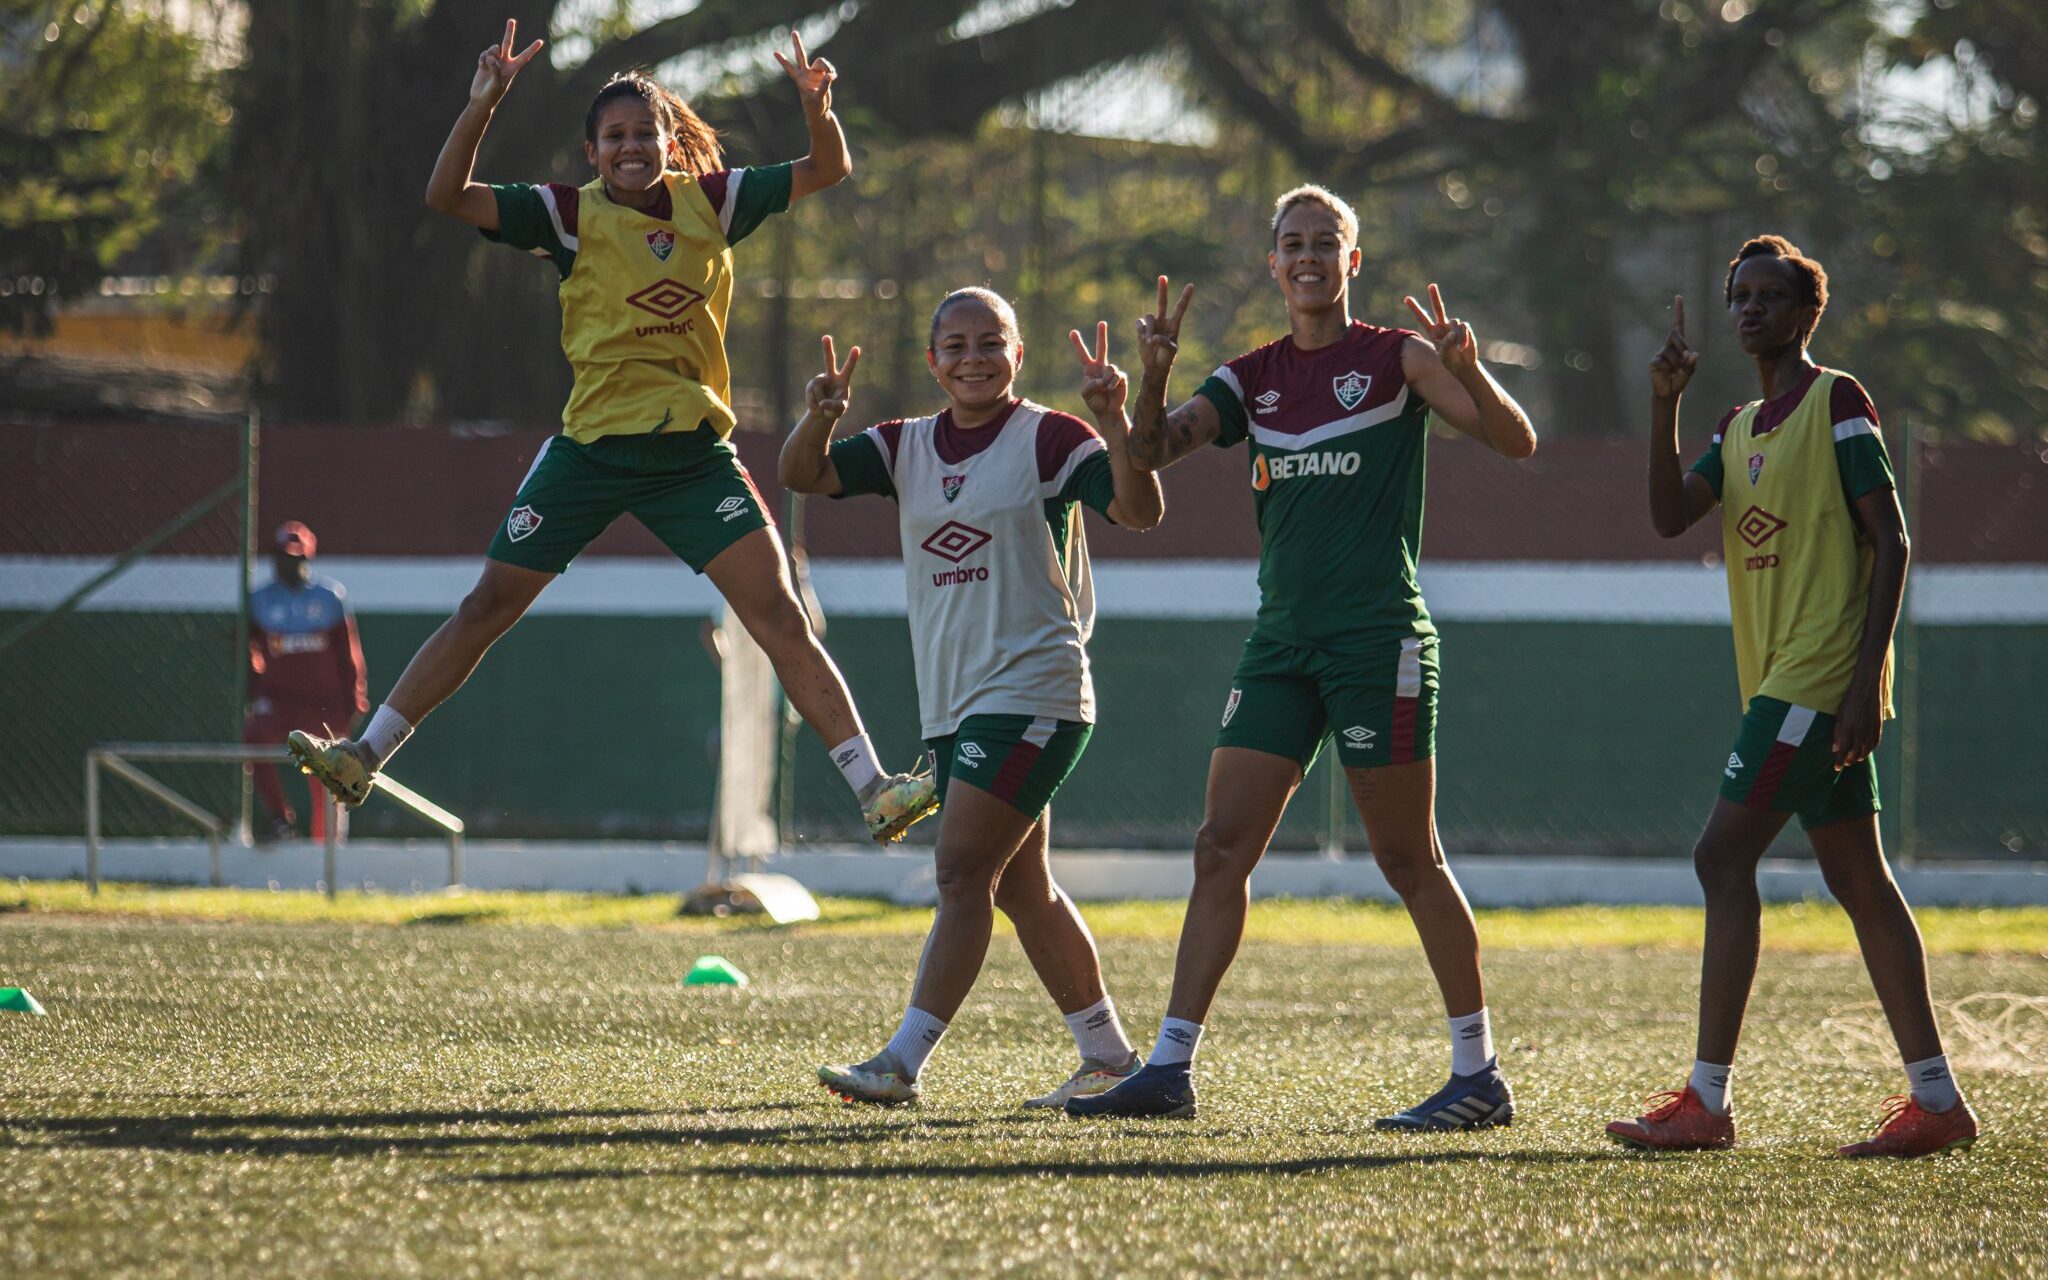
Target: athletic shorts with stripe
687,487
1020,760
1377,700
1784,760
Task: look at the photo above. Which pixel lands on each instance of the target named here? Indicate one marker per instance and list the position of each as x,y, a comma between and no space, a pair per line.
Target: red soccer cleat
1679,1122
1909,1130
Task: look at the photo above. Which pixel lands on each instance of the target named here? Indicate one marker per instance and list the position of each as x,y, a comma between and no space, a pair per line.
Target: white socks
386,734
1711,1081
1471,1043
1931,1084
1178,1040
1099,1033
857,763
915,1040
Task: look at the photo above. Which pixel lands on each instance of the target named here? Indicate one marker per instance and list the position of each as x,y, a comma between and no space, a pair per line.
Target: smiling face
1313,259
629,145
974,356
1765,303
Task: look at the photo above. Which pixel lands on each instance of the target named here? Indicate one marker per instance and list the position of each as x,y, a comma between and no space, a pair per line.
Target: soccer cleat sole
893,831
307,757
1501,1118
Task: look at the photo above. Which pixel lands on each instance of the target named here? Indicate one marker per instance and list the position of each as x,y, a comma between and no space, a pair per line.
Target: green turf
314,1096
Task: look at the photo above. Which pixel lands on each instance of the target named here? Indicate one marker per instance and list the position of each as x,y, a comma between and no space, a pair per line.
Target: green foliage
107,114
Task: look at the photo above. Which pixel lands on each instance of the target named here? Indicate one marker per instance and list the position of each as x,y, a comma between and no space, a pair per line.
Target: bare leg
978,835
1852,858
754,579
499,599
1725,859
1248,792
1398,806
1054,937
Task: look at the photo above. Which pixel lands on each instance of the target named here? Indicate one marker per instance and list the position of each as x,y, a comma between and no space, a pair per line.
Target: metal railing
118,759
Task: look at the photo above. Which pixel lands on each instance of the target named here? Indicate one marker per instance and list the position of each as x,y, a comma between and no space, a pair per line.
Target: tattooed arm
1159,438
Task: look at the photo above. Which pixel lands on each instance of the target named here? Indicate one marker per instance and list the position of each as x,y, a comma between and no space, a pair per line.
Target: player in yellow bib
1816,553
645,256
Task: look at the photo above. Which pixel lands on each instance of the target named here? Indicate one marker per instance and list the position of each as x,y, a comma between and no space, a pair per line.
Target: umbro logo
1473,1032
1101,1019
1268,401
733,508
972,751
1360,737
845,757
1176,1035
1734,763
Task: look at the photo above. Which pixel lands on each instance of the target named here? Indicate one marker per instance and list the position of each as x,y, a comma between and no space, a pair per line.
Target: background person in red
305,665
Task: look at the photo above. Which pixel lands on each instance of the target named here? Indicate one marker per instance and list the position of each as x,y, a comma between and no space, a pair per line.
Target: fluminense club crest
1230,704
1351,388
663,243
522,522
1756,466
951,485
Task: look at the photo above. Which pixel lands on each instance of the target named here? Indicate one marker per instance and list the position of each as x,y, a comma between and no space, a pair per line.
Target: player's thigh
1242,806
979,835
1397,804
1273,707
701,503
569,496
1027,880
504,592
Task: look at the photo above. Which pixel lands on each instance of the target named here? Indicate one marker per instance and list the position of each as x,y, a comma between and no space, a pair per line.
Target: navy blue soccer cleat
1481,1100
1166,1092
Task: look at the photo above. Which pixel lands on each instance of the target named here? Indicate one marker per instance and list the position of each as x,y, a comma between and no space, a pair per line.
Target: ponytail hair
692,144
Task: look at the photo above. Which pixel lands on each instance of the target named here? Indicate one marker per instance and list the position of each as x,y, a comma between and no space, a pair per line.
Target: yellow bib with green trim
643,317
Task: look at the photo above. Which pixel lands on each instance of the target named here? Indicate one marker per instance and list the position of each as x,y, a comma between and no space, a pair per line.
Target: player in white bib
1000,605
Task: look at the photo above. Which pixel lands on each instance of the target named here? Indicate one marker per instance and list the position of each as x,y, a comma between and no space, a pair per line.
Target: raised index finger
796,42
831,358
1678,314
1161,312
1102,341
1427,321
1436,300
511,29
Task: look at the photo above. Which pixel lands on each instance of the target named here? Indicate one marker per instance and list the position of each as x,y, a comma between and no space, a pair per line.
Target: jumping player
1335,419
1816,549
1001,604
645,256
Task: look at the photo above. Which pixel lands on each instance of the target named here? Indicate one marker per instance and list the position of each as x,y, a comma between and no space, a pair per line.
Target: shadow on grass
362,1133
1060,1169
479,915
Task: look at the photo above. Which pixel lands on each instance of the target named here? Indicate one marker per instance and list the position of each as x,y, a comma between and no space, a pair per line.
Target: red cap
295,539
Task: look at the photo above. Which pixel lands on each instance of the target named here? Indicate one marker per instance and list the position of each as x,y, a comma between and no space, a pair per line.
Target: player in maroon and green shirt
1334,420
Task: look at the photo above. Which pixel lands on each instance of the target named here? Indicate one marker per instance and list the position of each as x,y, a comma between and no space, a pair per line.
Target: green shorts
1376,699
1020,760
1784,760
689,489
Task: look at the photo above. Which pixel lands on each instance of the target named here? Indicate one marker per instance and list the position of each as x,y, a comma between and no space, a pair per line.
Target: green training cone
15,1000
714,971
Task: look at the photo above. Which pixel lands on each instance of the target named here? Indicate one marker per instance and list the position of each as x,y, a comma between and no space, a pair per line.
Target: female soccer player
1335,415
1816,569
645,256
1001,604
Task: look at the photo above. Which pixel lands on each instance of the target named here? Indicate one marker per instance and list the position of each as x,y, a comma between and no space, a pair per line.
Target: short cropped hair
989,298
1309,193
1812,278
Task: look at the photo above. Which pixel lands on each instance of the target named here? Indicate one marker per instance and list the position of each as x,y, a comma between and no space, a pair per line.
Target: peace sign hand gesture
1672,368
813,77
1102,384
828,393
1451,337
1159,333
496,66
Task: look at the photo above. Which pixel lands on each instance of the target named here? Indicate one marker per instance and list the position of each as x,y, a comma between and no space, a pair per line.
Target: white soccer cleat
877,1082
1094,1077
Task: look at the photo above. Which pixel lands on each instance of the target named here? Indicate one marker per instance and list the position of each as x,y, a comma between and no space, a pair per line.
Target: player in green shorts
644,253
1000,603
1816,553
1334,419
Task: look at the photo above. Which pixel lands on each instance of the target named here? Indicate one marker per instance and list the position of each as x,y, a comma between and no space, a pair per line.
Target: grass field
501,1084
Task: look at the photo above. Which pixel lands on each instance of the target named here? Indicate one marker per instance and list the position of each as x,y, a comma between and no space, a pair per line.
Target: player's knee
1020,898
1860,889
961,883
1408,871
1220,854
782,628
489,607
1722,875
